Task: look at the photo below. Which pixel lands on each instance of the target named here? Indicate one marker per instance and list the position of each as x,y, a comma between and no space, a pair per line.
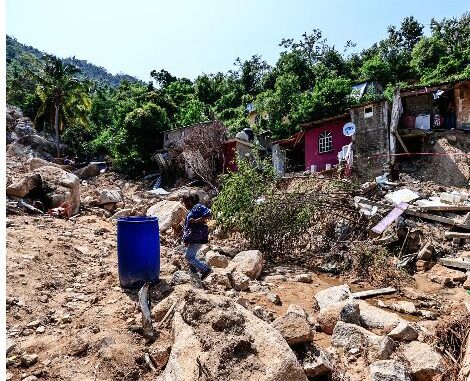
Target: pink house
323,140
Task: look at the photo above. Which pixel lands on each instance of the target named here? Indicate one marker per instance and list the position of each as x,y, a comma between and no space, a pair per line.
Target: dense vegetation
311,79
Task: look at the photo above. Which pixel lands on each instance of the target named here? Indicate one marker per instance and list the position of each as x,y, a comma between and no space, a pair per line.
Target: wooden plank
401,142
451,235
455,263
371,293
390,218
446,208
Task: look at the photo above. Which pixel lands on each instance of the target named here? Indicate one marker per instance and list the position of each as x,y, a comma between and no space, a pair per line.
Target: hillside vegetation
122,118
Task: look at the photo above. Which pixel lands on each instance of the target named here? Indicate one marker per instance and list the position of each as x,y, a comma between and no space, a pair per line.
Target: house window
368,112
325,142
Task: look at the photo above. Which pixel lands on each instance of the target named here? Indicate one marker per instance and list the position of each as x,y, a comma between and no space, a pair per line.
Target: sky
188,38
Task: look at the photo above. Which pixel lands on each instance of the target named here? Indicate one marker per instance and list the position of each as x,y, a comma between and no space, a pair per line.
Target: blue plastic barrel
138,248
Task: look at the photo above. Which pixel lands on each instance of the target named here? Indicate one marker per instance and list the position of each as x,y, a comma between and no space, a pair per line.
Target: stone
36,162
78,347
30,378
349,336
10,345
240,282
90,170
160,357
404,307
275,278
186,191
248,262
41,329
347,311
318,365
332,295
388,370
274,298
215,259
303,278
64,186
261,313
170,214
27,360
426,252
374,317
34,324
180,277
466,284
404,331
425,362
293,326
219,278
109,196
24,186
122,213
209,321
66,318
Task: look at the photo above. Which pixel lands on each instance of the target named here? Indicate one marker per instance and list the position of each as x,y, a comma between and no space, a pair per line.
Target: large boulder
64,186
404,331
170,214
24,186
332,295
346,311
375,317
90,170
227,342
351,336
248,262
388,370
293,326
36,162
425,362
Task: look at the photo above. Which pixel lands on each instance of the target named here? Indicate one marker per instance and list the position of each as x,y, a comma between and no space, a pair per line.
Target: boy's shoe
206,274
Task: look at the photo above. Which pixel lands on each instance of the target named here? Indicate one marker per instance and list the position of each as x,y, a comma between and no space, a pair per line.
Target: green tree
62,96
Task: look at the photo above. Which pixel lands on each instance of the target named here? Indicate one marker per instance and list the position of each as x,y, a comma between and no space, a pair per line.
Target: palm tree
63,96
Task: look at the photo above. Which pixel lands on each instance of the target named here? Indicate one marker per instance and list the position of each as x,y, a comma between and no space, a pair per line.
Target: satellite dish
349,129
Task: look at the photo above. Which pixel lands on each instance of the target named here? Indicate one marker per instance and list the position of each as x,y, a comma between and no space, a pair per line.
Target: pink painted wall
312,156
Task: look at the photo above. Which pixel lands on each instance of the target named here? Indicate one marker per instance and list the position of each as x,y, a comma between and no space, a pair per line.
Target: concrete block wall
462,103
419,104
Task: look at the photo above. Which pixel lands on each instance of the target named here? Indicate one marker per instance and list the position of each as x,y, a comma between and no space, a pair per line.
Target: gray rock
24,186
215,259
275,278
317,365
274,298
28,360
404,331
374,317
240,282
332,295
293,326
109,196
90,170
170,214
180,277
122,213
303,278
349,336
388,370
248,262
219,277
425,362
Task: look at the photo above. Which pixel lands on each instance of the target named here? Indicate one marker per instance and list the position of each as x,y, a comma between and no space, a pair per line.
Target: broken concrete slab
375,292
401,195
332,295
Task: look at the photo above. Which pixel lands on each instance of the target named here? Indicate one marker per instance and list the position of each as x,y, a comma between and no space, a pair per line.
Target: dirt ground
64,302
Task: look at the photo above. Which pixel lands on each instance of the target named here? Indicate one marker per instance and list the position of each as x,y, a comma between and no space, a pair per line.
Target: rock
160,357
226,250
78,347
41,329
240,282
10,345
349,336
28,360
425,362
303,278
293,326
180,277
64,186
332,295
275,278
219,277
374,317
122,213
36,162
30,378
170,214
315,362
66,318
347,311
215,259
261,313
274,298
34,324
404,307
211,332
388,370
90,170
248,262
109,196
24,186
426,251
404,331
466,284
185,191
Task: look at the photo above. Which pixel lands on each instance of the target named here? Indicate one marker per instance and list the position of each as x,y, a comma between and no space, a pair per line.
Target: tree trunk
56,128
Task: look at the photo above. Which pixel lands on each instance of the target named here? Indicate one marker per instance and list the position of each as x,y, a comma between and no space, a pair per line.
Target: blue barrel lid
134,219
